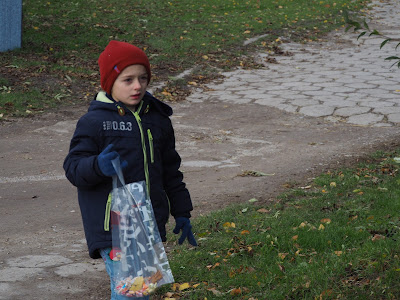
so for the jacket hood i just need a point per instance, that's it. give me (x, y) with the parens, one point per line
(105, 101)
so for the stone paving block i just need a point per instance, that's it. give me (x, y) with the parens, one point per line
(365, 119)
(339, 89)
(339, 102)
(317, 110)
(305, 102)
(349, 111)
(349, 78)
(319, 93)
(328, 84)
(376, 104)
(394, 118)
(387, 110)
(305, 87)
(360, 85)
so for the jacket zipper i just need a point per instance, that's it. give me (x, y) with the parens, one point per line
(146, 167)
(150, 136)
(108, 213)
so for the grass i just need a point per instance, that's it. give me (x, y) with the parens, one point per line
(337, 238)
(62, 39)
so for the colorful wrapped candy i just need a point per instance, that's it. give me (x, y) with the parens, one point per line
(138, 286)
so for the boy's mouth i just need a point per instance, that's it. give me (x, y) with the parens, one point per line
(136, 96)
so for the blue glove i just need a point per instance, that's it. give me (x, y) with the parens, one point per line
(183, 224)
(104, 161)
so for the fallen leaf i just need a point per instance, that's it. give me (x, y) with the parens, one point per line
(252, 200)
(215, 291)
(306, 187)
(236, 292)
(282, 268)
(295, 237)
(338, 253)
(245, 232)
(263, 211)
(303, 224)
(378, 237)
(326, 221)
(321, 227)
(333, 184)
(352, 218)
(325, 293)
(282, 255)
(227, 225)
(184, 286)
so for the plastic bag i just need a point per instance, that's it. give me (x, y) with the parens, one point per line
(141, 262)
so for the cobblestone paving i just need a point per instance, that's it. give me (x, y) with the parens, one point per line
(341, 80)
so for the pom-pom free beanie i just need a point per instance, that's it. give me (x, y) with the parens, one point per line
(115, 58)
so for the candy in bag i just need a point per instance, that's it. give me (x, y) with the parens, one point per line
(141, 264)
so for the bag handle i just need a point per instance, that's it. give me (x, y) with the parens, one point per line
(119, 175)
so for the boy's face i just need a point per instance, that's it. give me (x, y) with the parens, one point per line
(130, 86)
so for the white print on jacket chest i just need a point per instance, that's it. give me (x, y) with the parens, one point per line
(117, 126)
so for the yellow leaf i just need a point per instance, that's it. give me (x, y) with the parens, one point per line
(333, 184)
(196, 285)
(245, 232)
(227, 225)
(282, 255)
(321, 227)
(303, 224)
(247, 32)
(205, 57)
(192, 82)
(338, 253)
(184, 286)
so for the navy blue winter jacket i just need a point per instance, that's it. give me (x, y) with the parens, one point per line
(103, 125)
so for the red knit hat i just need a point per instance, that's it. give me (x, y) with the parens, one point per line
(115, 58)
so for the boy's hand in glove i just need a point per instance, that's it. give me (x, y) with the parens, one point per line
(183, 224)
(104, 161)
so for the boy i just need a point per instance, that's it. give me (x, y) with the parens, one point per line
(128, 122)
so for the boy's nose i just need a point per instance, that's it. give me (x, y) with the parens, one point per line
(137, 85)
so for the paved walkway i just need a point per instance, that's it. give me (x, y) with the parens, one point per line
(346, 82)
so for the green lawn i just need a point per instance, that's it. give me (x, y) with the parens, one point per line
(337, 238)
